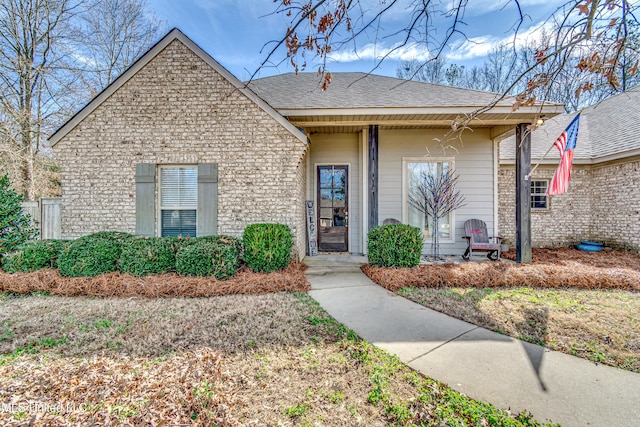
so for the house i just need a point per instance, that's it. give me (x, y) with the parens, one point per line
(178, 145)
(603, 199)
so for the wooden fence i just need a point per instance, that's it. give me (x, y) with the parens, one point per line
(45, 214)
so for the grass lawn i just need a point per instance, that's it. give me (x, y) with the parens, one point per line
(273, 359)
(584, 304)
(599, 325)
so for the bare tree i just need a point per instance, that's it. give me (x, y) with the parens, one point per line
(55, 55)
(112, 35)
(31, 34)
(435, 196)
(432, 71)
(454, 75)
(320, 27)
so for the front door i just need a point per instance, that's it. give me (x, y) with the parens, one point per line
(333, 208)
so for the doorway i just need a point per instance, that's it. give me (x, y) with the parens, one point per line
(333, 208)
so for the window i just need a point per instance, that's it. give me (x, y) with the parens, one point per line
(414, 169)
(178, 201)
(539, 199)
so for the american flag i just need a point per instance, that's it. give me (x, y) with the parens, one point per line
(565, 145)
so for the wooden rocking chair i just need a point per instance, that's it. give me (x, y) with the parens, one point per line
(479, 241)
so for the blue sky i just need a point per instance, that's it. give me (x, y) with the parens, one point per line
(234, 32)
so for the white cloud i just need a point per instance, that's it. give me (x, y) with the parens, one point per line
(376, 52)
(473, 47)
(476, 47)
(481, 7)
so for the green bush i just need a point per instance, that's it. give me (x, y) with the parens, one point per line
(395, 245)
(35, 255)
(119, 236)
(147, 255)
(209, 257)
(179, 242)
(93, 254)
(267, 247)
(15, 226)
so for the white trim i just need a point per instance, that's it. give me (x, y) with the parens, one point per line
(496, 166)
(594, 161)
(548, 110)
(547, 198)
(174, 34)
(364, 180)
(405, 190)
(159, 193)
(317, 201)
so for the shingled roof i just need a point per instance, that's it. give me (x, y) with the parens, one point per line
(608, 131)
(356, 100)
(361, 90)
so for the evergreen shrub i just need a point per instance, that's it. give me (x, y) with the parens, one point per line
(34, 255)
(142, 256)
(267, 247)
(92, 255)
(217, 256)
(395, 245)
(15, 226)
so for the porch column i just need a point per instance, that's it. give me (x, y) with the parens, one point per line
(373, 176)
(523, 193)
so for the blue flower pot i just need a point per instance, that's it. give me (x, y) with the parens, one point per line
(588, 246)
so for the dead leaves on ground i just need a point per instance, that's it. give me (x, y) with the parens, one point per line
(187, 389)
(551, 268)
(164, 285)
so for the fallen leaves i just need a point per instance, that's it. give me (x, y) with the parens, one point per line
(552, 268)
(191, 388)
(163, 285)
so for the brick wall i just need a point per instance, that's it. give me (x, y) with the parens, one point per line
(178, 110)
(602, 204)
(615, 206)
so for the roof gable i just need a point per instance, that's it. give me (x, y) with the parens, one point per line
(174, 34)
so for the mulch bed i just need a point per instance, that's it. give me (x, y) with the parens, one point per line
(551, 268)
(163, 285)
(602, 259)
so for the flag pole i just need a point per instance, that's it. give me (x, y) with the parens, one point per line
(539, 162)
(528, 176)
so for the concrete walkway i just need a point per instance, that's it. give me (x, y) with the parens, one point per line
(482, 364)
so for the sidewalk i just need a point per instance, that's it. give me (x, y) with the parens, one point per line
(482, 364)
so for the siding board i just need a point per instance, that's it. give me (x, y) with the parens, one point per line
(473, 163)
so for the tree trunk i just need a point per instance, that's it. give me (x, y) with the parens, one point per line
(435, 250)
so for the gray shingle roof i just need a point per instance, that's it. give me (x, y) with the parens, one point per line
(606, 129)
(361, 90)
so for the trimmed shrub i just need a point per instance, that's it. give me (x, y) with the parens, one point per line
(395, 245)
(179, 242)
(142, 256)
(15, 226)
(267, 247)
(93, 254)
(32, 256)
(208, 257)
(109, 235)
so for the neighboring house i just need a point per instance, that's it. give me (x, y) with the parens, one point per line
(603, 199)
(177, 145)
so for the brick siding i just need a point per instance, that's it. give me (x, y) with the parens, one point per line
(178, 110)
(602, 204)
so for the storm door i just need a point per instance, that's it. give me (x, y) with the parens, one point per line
(333, 208)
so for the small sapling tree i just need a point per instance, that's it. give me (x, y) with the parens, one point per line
(435, 196)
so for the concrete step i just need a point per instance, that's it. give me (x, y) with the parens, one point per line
(325, 264)
(326, 269)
